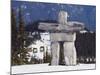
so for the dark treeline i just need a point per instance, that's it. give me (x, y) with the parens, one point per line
(18, 50)
(86, 46)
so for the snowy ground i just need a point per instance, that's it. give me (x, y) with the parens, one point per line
(45, 68)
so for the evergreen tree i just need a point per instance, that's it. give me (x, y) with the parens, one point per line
(21, 30)
(19, 52)
(13, 38)
(13, 29)
(21, 38)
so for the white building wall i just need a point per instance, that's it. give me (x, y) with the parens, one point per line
(45, 37)
(38, 54)
(45, 41)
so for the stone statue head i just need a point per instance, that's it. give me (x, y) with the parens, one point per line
(62, 17)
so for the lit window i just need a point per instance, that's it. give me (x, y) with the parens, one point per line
(41, 49)
(34, 50)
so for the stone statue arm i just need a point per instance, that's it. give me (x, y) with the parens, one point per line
(48, 26)
(55, 27)
(71, 26)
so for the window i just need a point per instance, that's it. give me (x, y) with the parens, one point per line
(41, 48)
(34, 50)
(30, 50)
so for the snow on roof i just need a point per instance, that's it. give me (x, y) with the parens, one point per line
(83, 31)
(37, 44)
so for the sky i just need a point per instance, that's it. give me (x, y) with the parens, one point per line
(34, 11)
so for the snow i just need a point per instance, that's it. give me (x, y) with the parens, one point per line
(83, 31)
(45, 68)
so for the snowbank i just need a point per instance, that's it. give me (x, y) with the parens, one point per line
(45, 68)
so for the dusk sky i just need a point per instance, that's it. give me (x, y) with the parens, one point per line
(34, 11)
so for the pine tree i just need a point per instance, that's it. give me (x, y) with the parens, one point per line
(13, 29)
(19, 52)
(21, 37)
(13, 38)
(21, 30)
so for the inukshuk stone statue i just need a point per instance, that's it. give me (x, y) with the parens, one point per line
(66, 32)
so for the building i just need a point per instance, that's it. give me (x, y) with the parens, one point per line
(38, 48)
